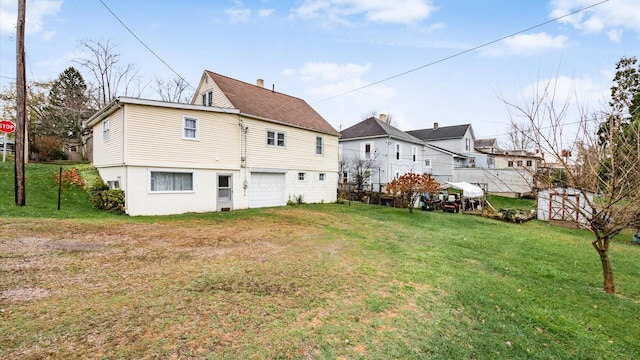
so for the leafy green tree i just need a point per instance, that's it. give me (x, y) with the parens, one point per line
(69, 108)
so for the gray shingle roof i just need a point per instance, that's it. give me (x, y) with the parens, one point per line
(264, 103)
(374, 127)
(441, 133)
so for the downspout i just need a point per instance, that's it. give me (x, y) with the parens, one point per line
(243, 155)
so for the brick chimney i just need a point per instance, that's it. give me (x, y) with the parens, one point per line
(435, 126)
(260, 83)
(383, 118)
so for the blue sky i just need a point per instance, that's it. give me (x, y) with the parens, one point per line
(337, 54)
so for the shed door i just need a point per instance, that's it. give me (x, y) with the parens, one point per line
(267, 189)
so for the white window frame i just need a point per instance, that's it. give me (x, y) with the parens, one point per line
(154, 171)
(302, 176)
(414, 154)
(276, 138)
(204, 99)
(210, 98)
(106, 129)
(367, 154)
(195, 129)
(398, 154)
(322, 177)
(319, 145)
(427, 162)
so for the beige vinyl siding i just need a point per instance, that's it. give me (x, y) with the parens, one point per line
(218, 97)
(299, 152)
(108, 153)
(155, 138)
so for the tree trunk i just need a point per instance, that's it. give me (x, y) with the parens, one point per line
(602, 247)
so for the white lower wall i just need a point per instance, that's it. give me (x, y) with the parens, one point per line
(497, 180)
(134, 180)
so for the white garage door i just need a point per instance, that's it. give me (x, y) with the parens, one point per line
(266, 189)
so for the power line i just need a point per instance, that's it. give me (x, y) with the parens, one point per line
(145, 45)
(463, 52)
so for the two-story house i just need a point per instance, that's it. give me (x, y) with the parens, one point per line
(386, 150)
(236, 146)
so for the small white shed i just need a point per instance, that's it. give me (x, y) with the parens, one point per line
(564, 204)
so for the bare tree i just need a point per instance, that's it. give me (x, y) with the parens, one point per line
(111, 79)
(173, 90)
(593, 153)
(362, 170)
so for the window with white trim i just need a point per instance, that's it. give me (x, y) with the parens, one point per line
(427, 162)
(190, 126)
(319, 145)
(276, 138)
(162, 181)
(106, 130)
(204, 99)
(210, 98)
(345, 177)
(301, 176)
(414, 153)
(367, 151)
(322, 176)
(397, 151)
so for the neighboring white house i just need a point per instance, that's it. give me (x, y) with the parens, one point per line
(236, 146)
(391, 151)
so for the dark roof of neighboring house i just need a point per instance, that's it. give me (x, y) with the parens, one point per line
(271, 105)
(485, 143)
(374, 127)
(441, 133)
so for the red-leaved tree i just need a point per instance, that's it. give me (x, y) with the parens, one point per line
(411, 186)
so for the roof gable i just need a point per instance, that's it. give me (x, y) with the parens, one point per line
(256, 101)
(374, 127)
(442, 133)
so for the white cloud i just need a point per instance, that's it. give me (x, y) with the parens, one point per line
(379, 11)
(579, 92)
(317, 71)
(526, 44)
(36, 12)
(238, 13)
(265, 12)
(618, 14)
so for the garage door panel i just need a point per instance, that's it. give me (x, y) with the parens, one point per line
(266, 189)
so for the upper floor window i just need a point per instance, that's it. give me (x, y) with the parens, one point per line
(519, 162)
(106, 129)
(210, 98)
(190, 126)
(276, 138)
(204, 99)
(397, 151)
(414, 153)
(510, 163)
(467, 145)
(427, 162)
(529, 163)
(367, 151)
(319, 145)
(345, 177)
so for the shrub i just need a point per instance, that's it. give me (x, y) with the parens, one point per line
(70, 177)
(296, 200)
(111, 201)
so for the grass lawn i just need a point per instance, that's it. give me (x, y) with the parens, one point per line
(314, 281)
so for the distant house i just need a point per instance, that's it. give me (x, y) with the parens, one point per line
(391, 151)
(236, 146)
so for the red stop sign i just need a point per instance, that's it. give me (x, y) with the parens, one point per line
(7, 126)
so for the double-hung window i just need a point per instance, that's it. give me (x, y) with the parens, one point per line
(190, 126)
(397, 151)
(367, 151)
(106, 129)
(319, 145)
(276, 138)
(302, 176)
(162, 181)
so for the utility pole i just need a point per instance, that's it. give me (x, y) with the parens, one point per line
(21, 106)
